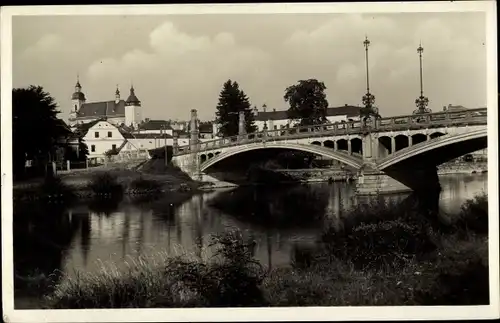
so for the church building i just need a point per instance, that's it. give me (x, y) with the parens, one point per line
(118, 111)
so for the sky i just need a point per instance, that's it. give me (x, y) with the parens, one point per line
(179, 62)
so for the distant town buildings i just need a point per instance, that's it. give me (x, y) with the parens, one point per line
(279, 119)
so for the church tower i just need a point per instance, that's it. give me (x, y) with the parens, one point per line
(77, 99)
(133, 110)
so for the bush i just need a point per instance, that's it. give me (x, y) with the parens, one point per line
(105, 184)
(231, 279)
(474, 215)
(145, 185)
(380, 234)
(53, 187)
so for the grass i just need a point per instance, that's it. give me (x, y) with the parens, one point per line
(393, 257)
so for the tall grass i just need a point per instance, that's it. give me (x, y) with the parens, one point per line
(231, 277)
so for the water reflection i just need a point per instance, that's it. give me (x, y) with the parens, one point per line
(283, 221)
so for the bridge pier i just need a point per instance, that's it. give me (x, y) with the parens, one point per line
(374, 182)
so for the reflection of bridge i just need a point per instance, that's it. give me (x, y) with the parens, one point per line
(407, 148)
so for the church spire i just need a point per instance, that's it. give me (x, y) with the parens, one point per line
(117, 94)
(132, 98)
(78, 94)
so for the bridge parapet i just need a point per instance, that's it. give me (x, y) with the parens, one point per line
(397, 123)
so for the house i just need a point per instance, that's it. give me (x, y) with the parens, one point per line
(117, 111)
(279, 119)
(101, 136)
(158, 127)
(206, 130)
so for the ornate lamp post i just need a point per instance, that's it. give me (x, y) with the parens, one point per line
(422, 102)
(368, 99)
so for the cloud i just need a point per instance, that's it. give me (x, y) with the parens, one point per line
(187, 69)
(177, 65)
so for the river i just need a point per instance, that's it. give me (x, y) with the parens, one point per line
(81, 237)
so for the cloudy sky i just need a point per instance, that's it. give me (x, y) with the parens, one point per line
(179, 62)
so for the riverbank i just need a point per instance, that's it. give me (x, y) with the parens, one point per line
(381, 254)
(136, 180)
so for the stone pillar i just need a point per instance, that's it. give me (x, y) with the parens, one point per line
(241, 123)
(335, 146)
(393, 144)
(175, 143)
(68, 165)
(410, 141)
(349, 147)
(367, 146)
(194, 132)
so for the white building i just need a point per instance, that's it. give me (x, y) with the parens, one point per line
(117, 111)
(100, 137)
(279, 119)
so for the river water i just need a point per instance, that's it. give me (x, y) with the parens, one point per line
(81, 237)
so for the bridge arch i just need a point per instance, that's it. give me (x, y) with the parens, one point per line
(342, 144)
(418, 138)
(329, 144)
(386, 142)
(357, 145)
(317, 143)
(438, 150)
(352, 161)
(436, 134)
(401, 142)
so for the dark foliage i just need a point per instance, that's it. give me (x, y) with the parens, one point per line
(145, 185)
(307, 101)
(231, 279)
(35, 128)
(105, 184)
(474, 215)
(232, 100)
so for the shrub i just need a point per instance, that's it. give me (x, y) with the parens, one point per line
(105, 184)
(53, 186)
(232, 278)
(145, 185)
(474, 215)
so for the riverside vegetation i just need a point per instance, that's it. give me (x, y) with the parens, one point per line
(377, 254)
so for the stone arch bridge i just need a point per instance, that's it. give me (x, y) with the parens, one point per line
(390, 154)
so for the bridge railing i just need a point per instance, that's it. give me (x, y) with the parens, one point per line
(396, 123)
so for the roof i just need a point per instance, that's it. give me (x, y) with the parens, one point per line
(149, 135)
(78, 96)
(205, 127)
(102, 109)
(132, 98)
(82, 129)
(348, 110)
(155, 125)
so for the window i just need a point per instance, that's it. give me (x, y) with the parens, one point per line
(109, 134)
(92, 148)
(113, 147)
(76, 108)
(275, 127)
(96, 134)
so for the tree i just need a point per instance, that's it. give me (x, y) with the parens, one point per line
(35, 127)
(232, 100)
(307, 101)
